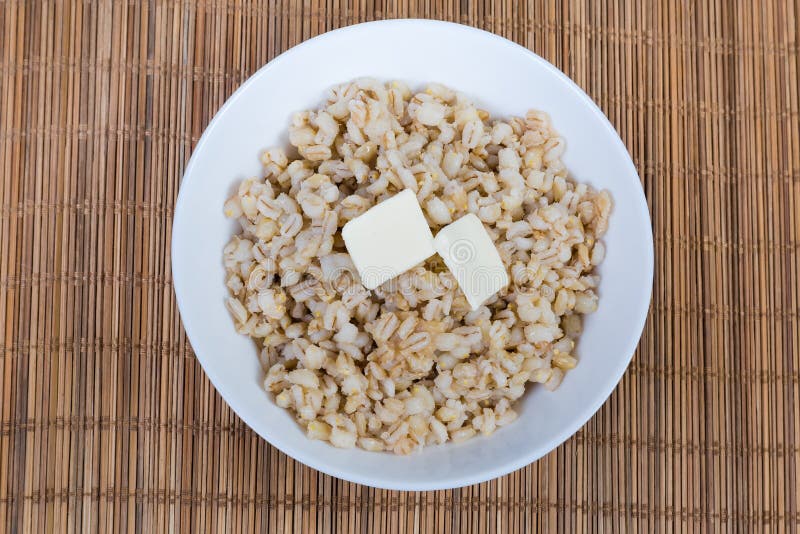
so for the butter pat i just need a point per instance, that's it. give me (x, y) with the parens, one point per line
(388, 239)
(470, 254)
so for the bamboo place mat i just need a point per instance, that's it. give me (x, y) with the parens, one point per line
(108, 421)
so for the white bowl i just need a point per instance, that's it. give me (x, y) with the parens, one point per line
(503, 78)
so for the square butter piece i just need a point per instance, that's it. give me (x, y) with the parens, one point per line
(470, 254)
(388, 239)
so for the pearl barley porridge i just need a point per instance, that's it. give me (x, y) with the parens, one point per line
(409, 363)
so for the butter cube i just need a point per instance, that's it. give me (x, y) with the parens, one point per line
(388, 239)
(470, 254)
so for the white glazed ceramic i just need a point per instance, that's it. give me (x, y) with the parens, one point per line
(503, 78)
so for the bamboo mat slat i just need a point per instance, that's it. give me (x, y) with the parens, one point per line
(107, 421)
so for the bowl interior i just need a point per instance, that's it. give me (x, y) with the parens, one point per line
(504, 79)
